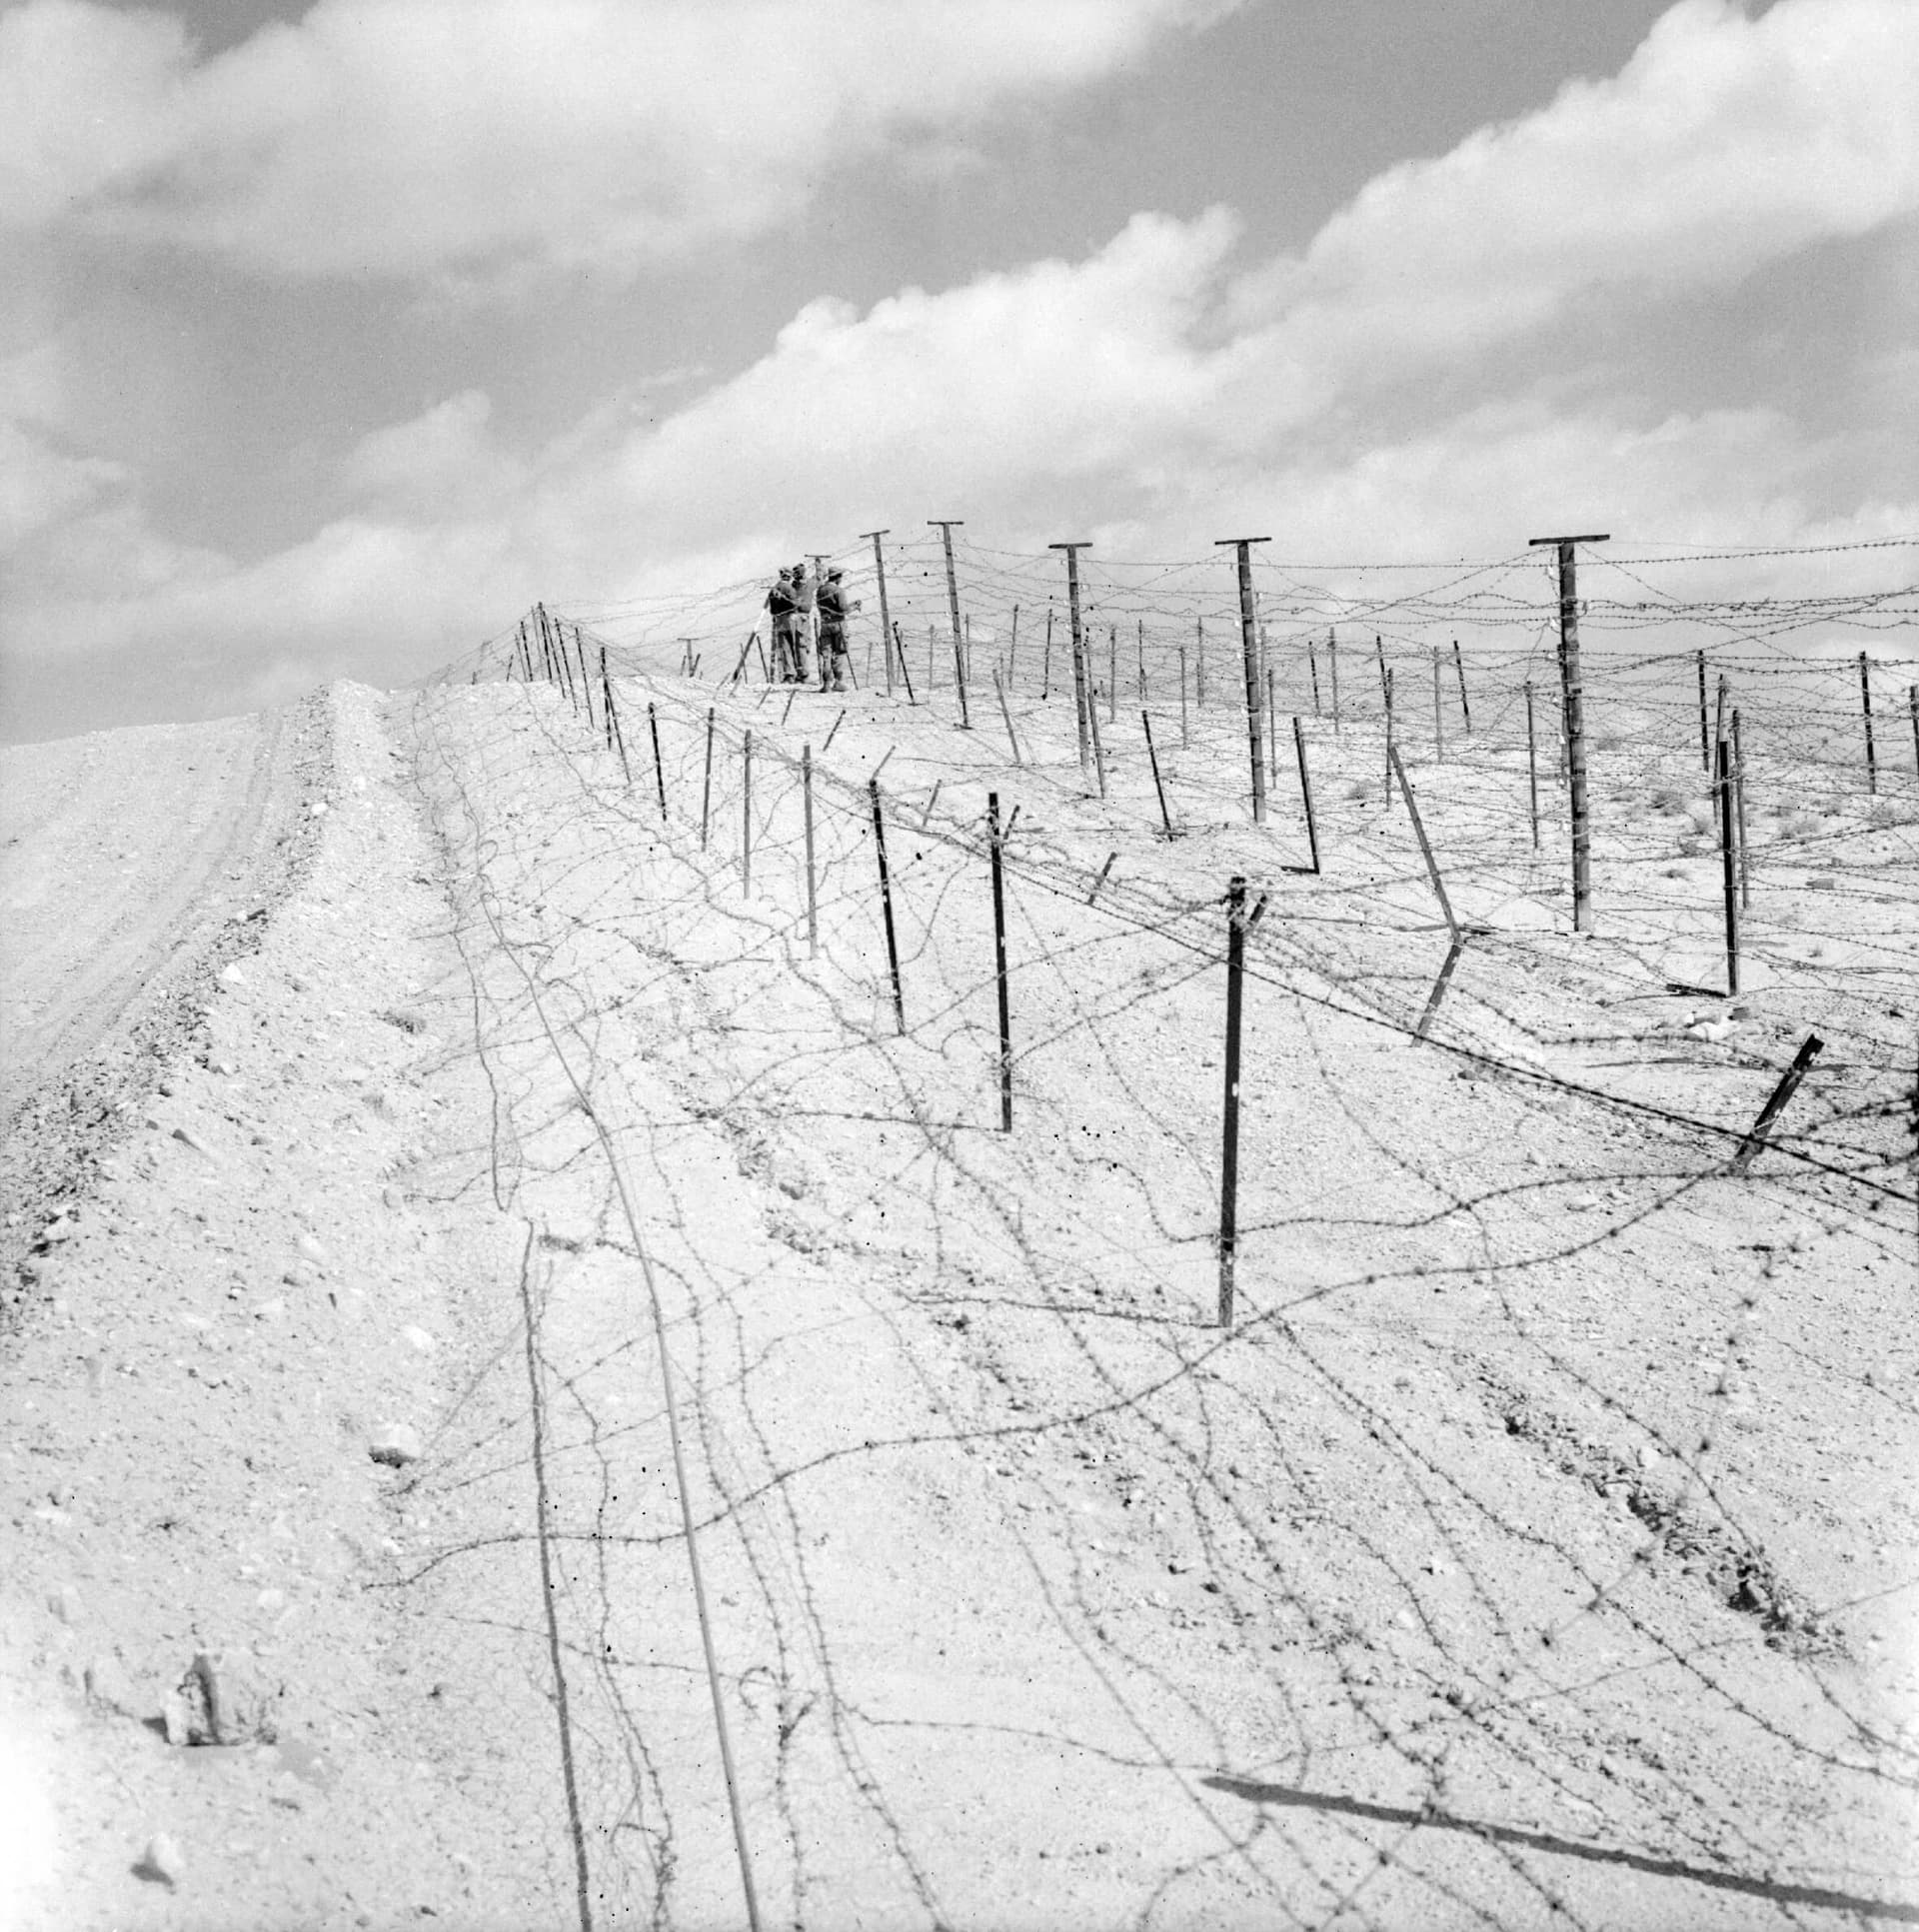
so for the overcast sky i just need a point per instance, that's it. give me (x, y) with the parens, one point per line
(334, 335)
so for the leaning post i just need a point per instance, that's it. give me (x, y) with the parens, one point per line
(1230, 1139)
(946, 526)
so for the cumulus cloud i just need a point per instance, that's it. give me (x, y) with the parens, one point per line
(1155, 394)
(402, 137)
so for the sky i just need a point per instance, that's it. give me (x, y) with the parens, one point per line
(335, 335)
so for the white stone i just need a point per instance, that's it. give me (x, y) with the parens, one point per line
(396, 1444)
(161, 1860)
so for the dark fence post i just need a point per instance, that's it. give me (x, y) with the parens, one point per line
(1229, 1153)
(886, 899)
(1305, 794)
(1000, 963)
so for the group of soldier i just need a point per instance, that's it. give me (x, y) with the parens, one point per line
(799, 604)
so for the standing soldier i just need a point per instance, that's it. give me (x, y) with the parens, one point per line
(832, 633)
(782, 608)
(803, 590)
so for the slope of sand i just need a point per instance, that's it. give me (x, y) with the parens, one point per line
(1536, 1549)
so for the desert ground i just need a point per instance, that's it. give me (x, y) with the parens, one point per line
(502, 1264)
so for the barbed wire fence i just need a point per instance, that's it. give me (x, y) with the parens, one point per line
(670, 890)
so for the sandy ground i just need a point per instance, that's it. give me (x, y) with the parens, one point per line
(1537, 1549)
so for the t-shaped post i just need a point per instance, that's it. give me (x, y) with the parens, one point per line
(885, 616)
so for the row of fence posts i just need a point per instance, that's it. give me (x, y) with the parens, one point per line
(548, 635)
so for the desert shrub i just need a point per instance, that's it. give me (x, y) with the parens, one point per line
(1667, 799)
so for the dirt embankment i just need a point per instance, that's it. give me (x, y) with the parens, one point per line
(223, 1296)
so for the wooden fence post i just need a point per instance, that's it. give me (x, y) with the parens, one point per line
(1465, 704)
(1532, 766)
(805, 795)
(1755, 1139)
(1574, 690)
(658, 765)
(1705, 741)
(1739, 801)
(1007, 713)
(1079, 697)
(706, 792)
(1305, 794)
(886, 615)
(1000, 963)
(1229, 1151)
(1146, 719)
(1865, 700)
(1249, 651)
(746, 818)
(886, 899)
(1186, 728)
(1333, 659)
(1723, 756)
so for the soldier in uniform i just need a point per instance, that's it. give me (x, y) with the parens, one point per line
(833, 610)
(782, 608)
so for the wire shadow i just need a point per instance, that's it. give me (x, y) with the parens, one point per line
(1891, 1910)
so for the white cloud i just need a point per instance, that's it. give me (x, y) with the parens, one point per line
(403, 137)
(1139, 395)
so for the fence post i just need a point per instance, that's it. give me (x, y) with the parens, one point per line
(1141, 637)
(1199, 650)
(746, 818)
(659, 764)
(1273, 734)
(1007, 713)
(1724, 699)
(1723, 756)
(946, 527)
(1185, 728)
(1000, 963)
(1112, 674)
(806, 798)
(1739, 801)
(1426, 848)
(1045, 658)
(1755, 1139)
(1305, 794)
(1865, 700)
(1385, 681)
(1079, 701)
(1012, 649)
(1532, 766)
(605, 700)
(1574, 699)
(900, 655)
(706, 790)
(886, 615)
(886, 901)
(1312, 665)
(1333, 659)
(1146, 719)
(1230, 1151)
(1465, 706)
(1249, 649)
(1705, 743)
(1438, 716)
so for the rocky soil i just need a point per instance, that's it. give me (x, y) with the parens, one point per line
(1538, 1550)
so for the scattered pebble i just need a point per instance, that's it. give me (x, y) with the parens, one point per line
(224, 1698)
(311, 1249)
(396, 1444)
(419, 1339)
(161, 1863)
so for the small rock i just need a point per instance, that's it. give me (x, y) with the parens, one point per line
(161, 1863)
(318, 807)
(311, 1249)
(269, 1310)
(393, 1197)
(419, 1339)
(396, 1444)
(232, 974)
(188, 1137)
(224, 1698)
(106, 1685)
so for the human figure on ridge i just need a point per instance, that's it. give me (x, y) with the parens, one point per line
(833, 610)
(788, 662)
